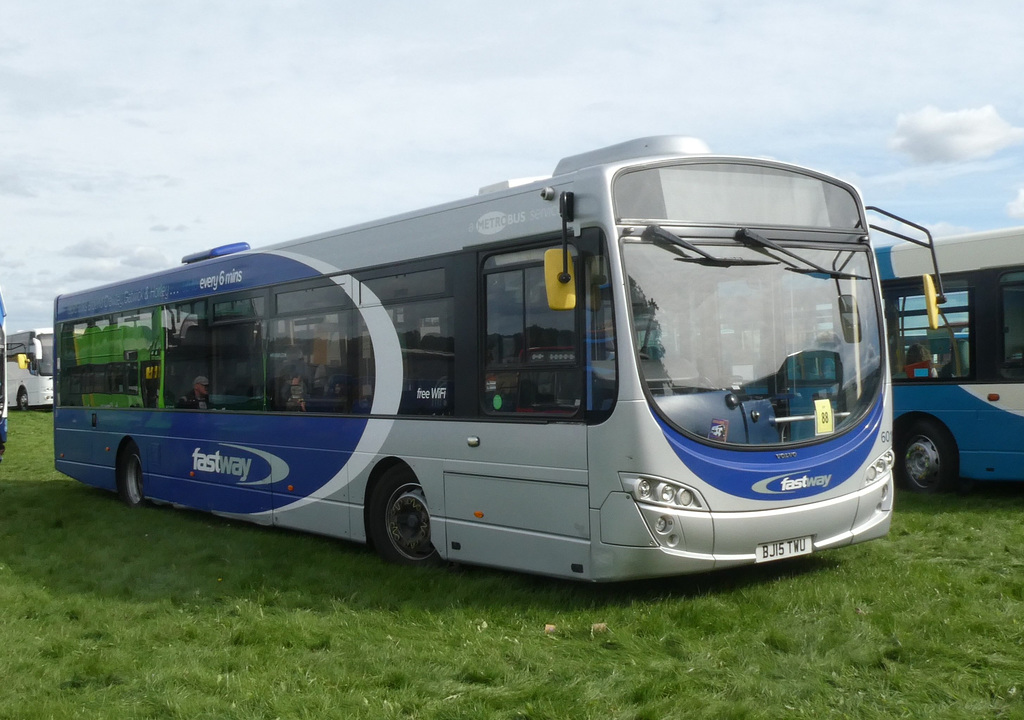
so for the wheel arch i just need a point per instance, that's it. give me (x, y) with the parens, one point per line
(381, 468)
(122, 448)
(901, 426)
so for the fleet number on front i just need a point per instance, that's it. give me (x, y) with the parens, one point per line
(779, 549)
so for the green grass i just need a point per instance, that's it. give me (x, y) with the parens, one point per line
(106, 612)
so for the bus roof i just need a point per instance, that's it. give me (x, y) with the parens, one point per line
(478, 220)
(957, 253)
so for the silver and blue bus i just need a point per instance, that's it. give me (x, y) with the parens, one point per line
(958, 387)
(656, 361)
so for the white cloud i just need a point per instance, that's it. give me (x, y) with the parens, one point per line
(1015, 208)
(931, 135)
(945, 229)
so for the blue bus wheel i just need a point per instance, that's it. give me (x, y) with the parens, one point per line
(129, 476)
(399, 519)
(928, 460)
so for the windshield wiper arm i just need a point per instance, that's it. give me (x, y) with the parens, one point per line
(754, 239)
(658, 234)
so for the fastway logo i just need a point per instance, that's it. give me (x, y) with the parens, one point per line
(785, 484)
(239, 467)
(221, 464)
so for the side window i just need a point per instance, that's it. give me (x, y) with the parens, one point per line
(187, 357)
(1011, 366)
(236, 382)
(110, 362)
(82, 376)
(426, 334)
(916, 352)
(320, 358)
(531, 363)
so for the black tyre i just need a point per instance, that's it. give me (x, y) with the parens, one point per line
(927, 459)
(129, 476)
(398, 520)
(22, 399)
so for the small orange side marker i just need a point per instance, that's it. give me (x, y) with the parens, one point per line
(478, 514)
(191, 473)
(291, 488)
(993, 396)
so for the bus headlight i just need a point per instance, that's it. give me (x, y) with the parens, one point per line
(880, 467)
(659, 491)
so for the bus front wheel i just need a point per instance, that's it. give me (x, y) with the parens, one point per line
(22, 399)
(129, 476)
(928, 460)
(399, 519)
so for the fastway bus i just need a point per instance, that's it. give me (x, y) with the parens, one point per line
(30, 368)
(657, 361)
(3, 380)
(959, 388)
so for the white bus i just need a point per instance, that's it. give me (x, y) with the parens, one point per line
(657, 361)
(3, 380)
(30, 369)
(959, 388)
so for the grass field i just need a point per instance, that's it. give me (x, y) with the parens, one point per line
(106, 612)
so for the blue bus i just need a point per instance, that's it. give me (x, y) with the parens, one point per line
(656, 361)
(958, 388)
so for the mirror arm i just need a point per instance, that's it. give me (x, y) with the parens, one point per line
(567, 209)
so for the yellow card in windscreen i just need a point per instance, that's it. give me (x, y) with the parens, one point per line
(823, 423)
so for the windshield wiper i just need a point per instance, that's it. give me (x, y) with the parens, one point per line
(660, 236)
(753, 239)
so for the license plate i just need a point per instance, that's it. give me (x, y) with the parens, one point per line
(779, 549)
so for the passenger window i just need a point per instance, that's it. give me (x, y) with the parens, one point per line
(531, 363)
(188, 351)
(110, 362)
(1012, 365)
(320, 361)
(917, 352)
(237, 344)
(427, 337)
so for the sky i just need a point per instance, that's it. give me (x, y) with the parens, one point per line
(134, 132)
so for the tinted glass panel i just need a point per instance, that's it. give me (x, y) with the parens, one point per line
(531, 363)
(734, 194)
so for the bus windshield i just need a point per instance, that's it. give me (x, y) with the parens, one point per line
(46, 358)
(752, 348)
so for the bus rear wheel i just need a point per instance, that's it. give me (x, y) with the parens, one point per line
(928, 460)
(399, 519)
(129, 476)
